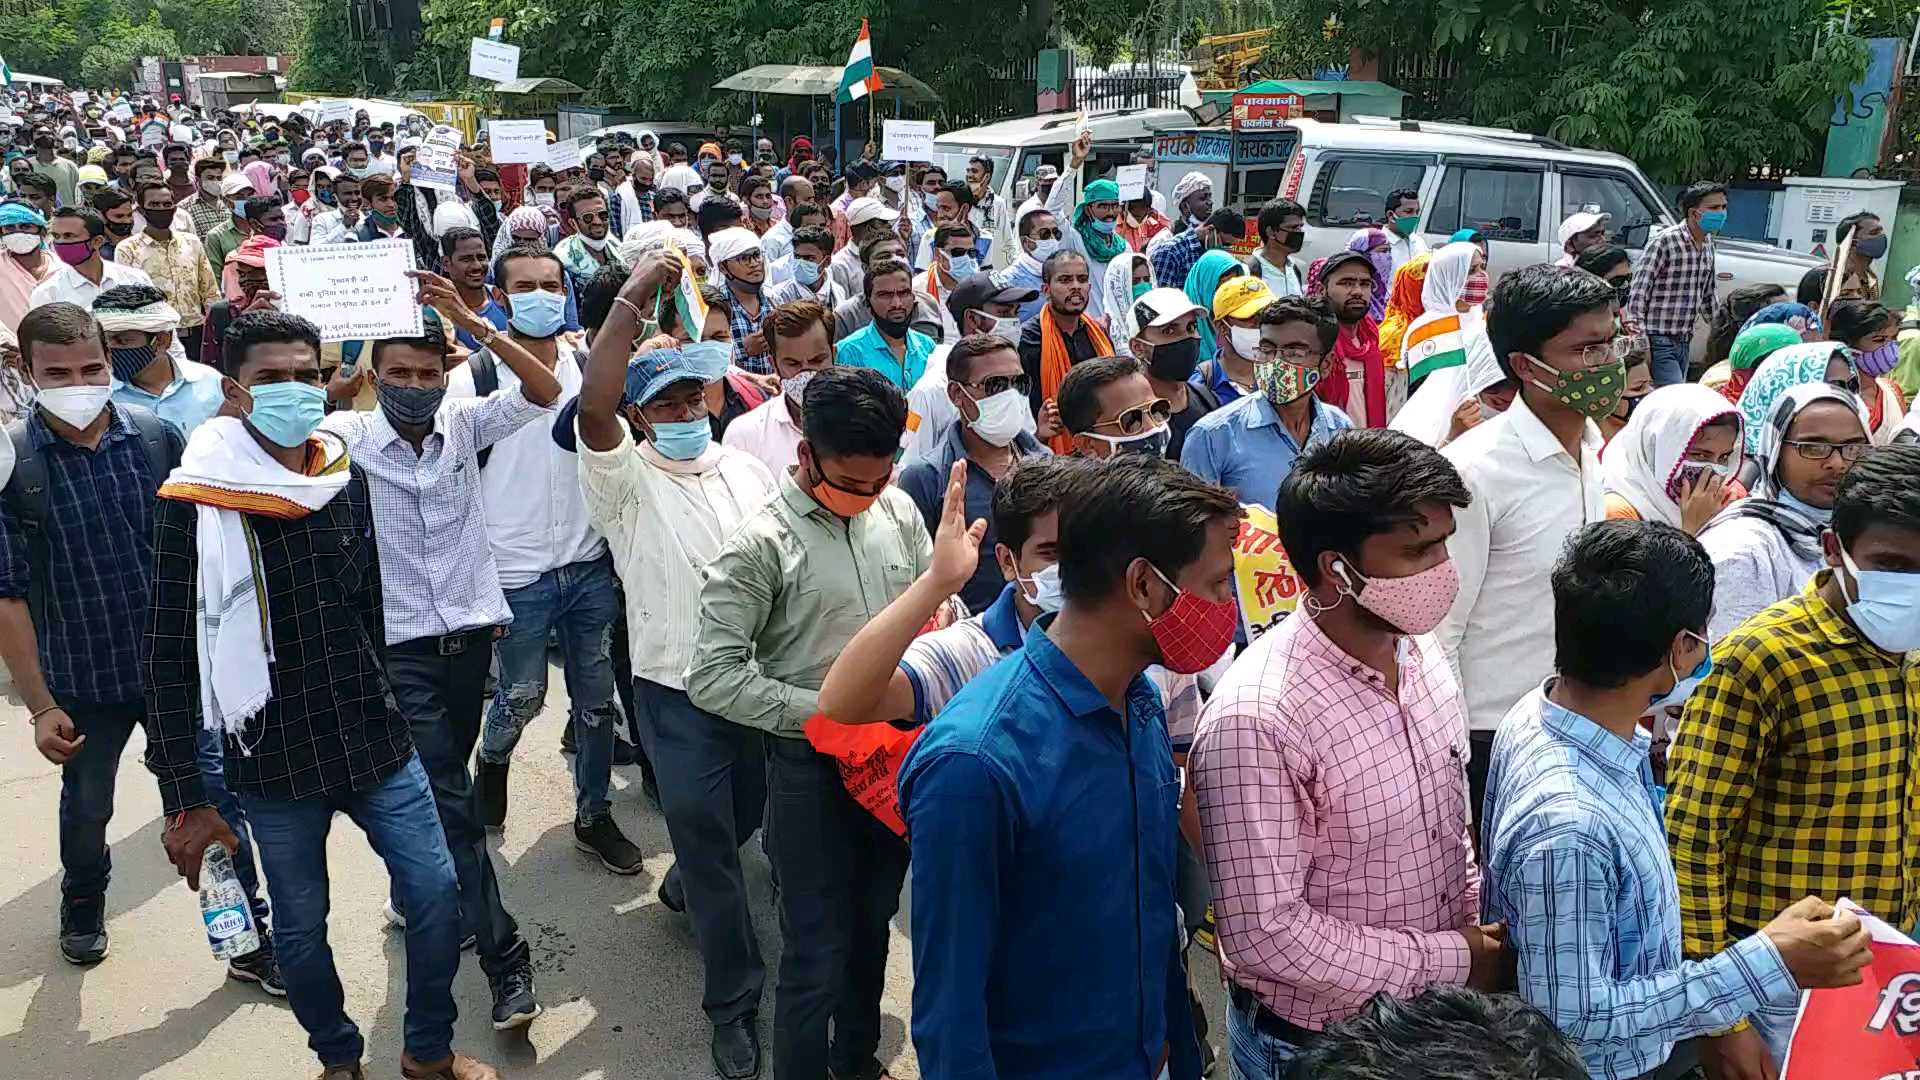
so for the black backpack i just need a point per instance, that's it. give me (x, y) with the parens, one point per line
(486, 379)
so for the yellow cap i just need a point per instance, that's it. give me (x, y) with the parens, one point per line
(1241, 297)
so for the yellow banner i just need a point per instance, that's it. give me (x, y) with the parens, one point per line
(1262, 574)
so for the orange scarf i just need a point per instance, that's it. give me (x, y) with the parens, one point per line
(933, 283)
(1055, 362)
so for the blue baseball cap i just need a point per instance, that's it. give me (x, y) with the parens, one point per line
(647, 375)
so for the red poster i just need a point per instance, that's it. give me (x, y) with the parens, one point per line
(1870, 1031)
(1265, 112)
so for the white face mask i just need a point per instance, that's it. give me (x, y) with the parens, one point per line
(1044, 249)
(597, 245)
(543, 198)
(76, 405)
(1246, 341)
(1007, 328)
(21, 243)
(1002, 417)
(1045, 589)
(792, 388)
(896, 183)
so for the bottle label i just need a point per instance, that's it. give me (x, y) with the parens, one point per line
(223, 923)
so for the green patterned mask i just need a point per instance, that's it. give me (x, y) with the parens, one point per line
(1282, 382)
(1591, 392)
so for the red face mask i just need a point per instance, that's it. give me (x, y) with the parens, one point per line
(1476, 288)
(300, 196)
(1192, 633)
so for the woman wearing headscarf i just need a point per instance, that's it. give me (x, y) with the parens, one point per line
(1794, 365)
(1751, 349)
(1766, 546)
(1799, 317)
(1202, 282)
(1403, 306)
(1869, 330)
(260, 174)
(1093, 228)
(1675, 460)
(1446, 348)
(1128, 278)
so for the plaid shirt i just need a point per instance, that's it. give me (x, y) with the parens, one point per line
(99, 534)
(1173, 260)
(327, 727)
(1794, 773)
(1335, 822)
(1577, 868)
(744, 324)
(206, 213)
(1673, 285)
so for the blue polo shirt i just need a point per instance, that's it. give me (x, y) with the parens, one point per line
(1244, 446)
(926, 484)
(866, 348)
(1043, 827)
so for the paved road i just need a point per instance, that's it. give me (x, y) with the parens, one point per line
(617, 972)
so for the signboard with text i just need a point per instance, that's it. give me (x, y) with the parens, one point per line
(1867, 1031)
(1265, 112)
(1193, 147)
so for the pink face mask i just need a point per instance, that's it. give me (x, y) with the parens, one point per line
(1414, 604)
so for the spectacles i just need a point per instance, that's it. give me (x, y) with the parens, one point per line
(1297, 355)
(1821, 451)
(1603, 353)
(1140, 418)
(753, 256)
(1046, 234)
(1000, 384)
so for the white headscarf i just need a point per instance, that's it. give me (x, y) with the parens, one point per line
(731, 244)
(1428, 414)
(1645, 454)
(1190, 184)
(1117, 290)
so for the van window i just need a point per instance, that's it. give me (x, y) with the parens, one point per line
(1608, 192)
(1353, 190)
(1503, 203)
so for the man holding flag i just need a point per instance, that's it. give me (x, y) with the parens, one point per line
(858, 79)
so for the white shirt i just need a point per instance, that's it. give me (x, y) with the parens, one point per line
(1406, 247)
(1528, 497)
(536, 515)
(846, 273)
(776, 244)
(67, 286)
(768, 432)
(436, 561)
(332, 228)
(664, 520)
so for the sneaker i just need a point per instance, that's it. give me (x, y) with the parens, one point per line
(397, 921)
(83, 931)
(513, 1002)
(604, 840)
(623, 753)
(454, 1067)
(490, 794)
(260, 967)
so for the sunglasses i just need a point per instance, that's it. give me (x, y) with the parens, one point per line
(593, 219)
(1141, 418)
(1000, 384)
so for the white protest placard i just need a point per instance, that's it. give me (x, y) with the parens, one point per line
(80, 99)
(336, 109)
(350, 291)
(496, 61)
(1132, 180)
(907, 140)
(121, 113)
(563, 155)
(517, 141)
(433, 166)
(153, 133)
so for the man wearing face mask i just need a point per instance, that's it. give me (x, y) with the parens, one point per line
(1192, 205)
(948, 204)
(1534, 471)
(1575, 842)
(1168, 346)
(383, 210)
(987, 388)
(1236, 307)
(172, 259)
(1808, 704)
(261, 215)
(1039, 237)
(1174, 260)
(64, 174)
(977, 306)
(1062, 335)
(800, 343)
(954, 260)
(759, 652)
(1673, 280)
(806, 264)
(1330, 752)
(23, 232)
(796, 192)
(1250, 445)
(142, 337)
(1282, 225)
(443, 601)
(116, 207)
(1013, 895)
(79, 237)
(1091, 225)
(716, 174)
(267, 499)
(869, 222)
(207, 206)
(1108, 408)
(736, 252)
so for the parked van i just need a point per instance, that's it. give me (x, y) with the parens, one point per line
(1513, 187)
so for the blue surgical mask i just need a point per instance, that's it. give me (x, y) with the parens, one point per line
(708, 356)
(1683, 687)
(962, 266)
(1045, 584)
(1816, 514)
(287, 412)
(1887, 607)
(326, 198)
(806, 272)
(1712, 221)
(682, 440)
(537, 314)
(1106, 227)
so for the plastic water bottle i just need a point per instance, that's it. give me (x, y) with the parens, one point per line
(223, 905)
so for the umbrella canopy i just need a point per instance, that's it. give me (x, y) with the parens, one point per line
(547, 85)
(802, 80)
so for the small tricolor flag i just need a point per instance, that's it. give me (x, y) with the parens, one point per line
(496, 28)
(6, 73)
(1433, 344)
(859, 79)
(687, 301)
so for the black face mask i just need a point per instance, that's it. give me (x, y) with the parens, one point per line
(1174, 361)
(119, 230)
(894, 330)
(596, 174)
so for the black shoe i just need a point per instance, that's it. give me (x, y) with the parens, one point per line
(671, 893)
(736, 1048)
(604, 840)
(566, 738)
(83, 931)
(513, 1002)
(490, 794)
(623, 754)
(259, 966)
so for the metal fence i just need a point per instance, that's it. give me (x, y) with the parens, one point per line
(1011, 90)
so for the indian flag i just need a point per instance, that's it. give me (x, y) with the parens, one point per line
(6, 73)
(859, 78)
(1433, 344)
(687, 301)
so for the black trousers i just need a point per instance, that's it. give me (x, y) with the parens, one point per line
(440, 686)
(1480, 757)
(840, 873)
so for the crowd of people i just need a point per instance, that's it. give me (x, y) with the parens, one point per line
(1585, 702)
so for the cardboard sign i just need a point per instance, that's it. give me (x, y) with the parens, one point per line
(516, 141)
(906, 140)
(1132, 180)
(564, 155)
(1263, 576)
(80, 99)
(331, 111)
(433, 165)
(1266, 112)
(495, 61)
(1868, 1031)
(350, 291)
(120, 113)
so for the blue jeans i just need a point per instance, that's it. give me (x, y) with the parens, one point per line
(403, 827)
(581, 601)
(1670, 356)
(1254, 1054)
(87, 784)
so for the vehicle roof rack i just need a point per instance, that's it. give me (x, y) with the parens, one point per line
(1469, 130)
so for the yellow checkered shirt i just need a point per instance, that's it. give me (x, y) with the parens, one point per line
(1792, 774)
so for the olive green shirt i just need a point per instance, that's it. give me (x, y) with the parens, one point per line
(787, 592)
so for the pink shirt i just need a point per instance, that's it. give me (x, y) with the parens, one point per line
(1335, 823)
